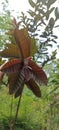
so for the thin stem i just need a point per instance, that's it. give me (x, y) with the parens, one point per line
(12, 126)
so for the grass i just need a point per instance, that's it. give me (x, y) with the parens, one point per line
(33, 112)
(26, 116)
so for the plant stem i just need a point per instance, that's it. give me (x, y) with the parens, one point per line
(12, 126)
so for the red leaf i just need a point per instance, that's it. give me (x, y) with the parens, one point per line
(12, 79)
(34, 87)
(16, 83)
(19, 91)
(15, 22)
(23, 41)
(19, 84)
(1, 75)
(38, 72)
(11, 66)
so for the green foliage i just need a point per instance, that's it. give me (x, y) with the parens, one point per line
(32, 3)
(57, 13)
(5, 25)
(34, 113)
(41, 23)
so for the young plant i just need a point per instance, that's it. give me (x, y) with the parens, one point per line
(20, 68)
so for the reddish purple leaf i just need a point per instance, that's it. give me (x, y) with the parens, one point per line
(11, 66)
(34, 87)
(38, 72)
(1, 75)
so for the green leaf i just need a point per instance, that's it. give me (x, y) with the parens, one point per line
(31, 13)
(50, 2)
(43, 1)
(51, 22)
(48, 12)
(38, 17)
(34, 47)
(32, 3)
(10, 50)
(57, 13)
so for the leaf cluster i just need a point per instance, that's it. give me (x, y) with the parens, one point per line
(41, 23)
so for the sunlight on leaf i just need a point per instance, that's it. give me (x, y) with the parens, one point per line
(10, 51)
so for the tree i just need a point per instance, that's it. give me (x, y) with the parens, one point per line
(41, 25)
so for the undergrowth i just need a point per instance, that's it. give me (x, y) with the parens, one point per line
(34, 113)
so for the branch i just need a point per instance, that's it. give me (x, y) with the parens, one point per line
(49, 59)
(46, 61)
